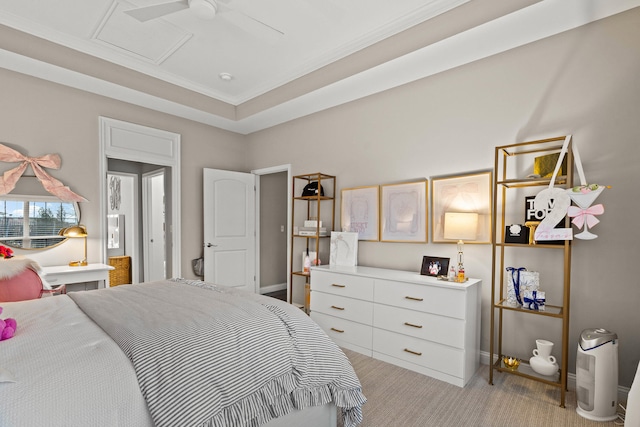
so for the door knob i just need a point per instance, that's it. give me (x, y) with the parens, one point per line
(209, 245)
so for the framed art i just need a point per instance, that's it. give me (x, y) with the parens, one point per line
(463, 193)
(404, 212)
(344, 248)
(359, 212)
(434, 266)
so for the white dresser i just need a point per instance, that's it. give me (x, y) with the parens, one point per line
(414, 321)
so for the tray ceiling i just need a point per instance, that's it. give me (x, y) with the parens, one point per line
(278, 56)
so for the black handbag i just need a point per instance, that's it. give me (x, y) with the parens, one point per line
(311, 189)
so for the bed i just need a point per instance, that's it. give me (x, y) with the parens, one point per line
(171, 353)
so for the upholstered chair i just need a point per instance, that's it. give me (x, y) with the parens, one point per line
(22, 286)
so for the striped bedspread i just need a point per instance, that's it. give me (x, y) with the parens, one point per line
(208, 355)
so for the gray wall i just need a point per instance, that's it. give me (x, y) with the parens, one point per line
(583, 82)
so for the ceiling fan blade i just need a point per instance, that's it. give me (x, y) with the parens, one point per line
(144, 14)
(249, 24)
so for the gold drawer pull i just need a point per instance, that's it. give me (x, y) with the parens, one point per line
(337, 308)
(417, 353)
(414, 299)
(412, 325)
(337, 330)
(338, 286)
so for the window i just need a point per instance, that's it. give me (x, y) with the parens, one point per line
(29, 223)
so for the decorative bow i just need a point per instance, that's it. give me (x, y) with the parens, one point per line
(580, 215)
(9, 179)
(534, 303)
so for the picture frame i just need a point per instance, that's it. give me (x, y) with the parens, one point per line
(434, 266)
(403, 216)
(344, 248)
(462, 193)
(359, 211)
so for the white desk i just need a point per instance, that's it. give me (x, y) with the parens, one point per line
(64, 274)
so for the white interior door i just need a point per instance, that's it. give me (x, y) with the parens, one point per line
(154, 226)
(229, 228)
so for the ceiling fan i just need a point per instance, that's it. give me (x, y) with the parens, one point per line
(204, 9)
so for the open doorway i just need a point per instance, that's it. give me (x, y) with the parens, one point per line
(138, 150)
(141, 217)
(123, 224)
(273, 207)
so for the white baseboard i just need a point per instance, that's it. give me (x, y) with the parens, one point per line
(273, 288)
(623, 392)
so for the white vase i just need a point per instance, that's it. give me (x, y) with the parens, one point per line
(542, 366)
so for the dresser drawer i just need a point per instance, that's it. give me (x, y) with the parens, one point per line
(428, 299)
(344, 331)
(342, 284)
(440, 329)
(345, 308)
(420, 352)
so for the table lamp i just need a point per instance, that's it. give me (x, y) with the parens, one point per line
(76, 231)
(461, 226)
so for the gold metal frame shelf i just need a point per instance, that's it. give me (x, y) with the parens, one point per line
(501, 188)
(525, 370)
(550, 310)
(316, 207)
(560, 181)
(538, 245)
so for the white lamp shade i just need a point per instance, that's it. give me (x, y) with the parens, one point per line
(461, 225)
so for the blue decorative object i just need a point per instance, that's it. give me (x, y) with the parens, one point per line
(534, 300)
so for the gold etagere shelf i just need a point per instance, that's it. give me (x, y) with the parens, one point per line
(320, 207)
(504, 183)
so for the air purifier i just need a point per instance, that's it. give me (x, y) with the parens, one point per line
(597, 375)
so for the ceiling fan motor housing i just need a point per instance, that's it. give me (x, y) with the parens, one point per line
(205, 9)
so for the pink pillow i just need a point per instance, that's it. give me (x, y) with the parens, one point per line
(23, 286)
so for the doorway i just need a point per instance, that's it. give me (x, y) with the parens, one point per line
(273, 230)
(273, 210)
(140, 215)
(123, 218)
(149, 150)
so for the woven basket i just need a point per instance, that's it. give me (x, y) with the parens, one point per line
(122, 273)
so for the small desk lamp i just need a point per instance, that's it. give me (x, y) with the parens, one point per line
(76, 231)
(460, 226)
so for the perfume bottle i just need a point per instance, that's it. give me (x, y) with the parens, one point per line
(452, 274)
(461, 277)
(307, 263)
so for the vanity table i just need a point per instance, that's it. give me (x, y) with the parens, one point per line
(64, 275)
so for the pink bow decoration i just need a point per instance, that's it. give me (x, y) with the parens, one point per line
(580, 215)
(9, 179)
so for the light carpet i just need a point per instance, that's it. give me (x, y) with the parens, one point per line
(398, 397)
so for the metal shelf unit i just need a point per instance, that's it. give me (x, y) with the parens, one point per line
(510, 161)
(319, 207)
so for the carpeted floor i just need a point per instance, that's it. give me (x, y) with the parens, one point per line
(398, 397)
